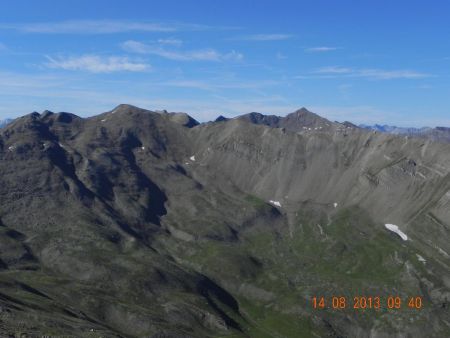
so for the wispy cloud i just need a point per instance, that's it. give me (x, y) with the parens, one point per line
(97, 64)
(263, 37)
(99, 27)
(178, 55)
(371, 73)
(170, 41)
(3, 47)
(223, 84)
(334, 70)
(320, 49)
(136, 47)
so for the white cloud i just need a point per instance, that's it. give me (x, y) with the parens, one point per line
(217, 85)
(263, 37)
(391, 74)
(97, 64)
(371, 73)
(136, 47)
(99, 27)
(170, 41)
(233, 55)
(320, 49)
(177, 55)
(334, 70)
(193, 55)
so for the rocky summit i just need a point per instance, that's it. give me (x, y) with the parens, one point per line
(135, 223)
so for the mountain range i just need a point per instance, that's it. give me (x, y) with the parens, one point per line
(136, 223)
(4, 122)
(441, 134)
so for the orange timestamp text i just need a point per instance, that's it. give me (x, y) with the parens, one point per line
(366, 302)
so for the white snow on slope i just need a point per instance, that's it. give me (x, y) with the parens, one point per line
(335, 204)
(395, 228)
(421, 175)
(421, 259)
(443, 252)
(276, 203)
(192, 158)
(320, 229)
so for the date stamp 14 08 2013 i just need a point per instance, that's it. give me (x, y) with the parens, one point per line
(366, 302)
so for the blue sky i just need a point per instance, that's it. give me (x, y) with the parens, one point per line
(363, 61)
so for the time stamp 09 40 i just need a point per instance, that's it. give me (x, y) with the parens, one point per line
(366, 302)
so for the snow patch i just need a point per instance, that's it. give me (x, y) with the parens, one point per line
(421, 175)
(395, 228)
(320, 229)
(335, 204)
(192, 158)
(11, 148)
(443, 252)
(103, 120)
(421, 259)
(276, 203)
(143, 148)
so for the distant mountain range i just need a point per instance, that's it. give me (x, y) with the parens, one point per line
(4, 122)
(436, 134)
(304, 120)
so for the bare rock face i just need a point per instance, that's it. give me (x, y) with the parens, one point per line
(141, 223)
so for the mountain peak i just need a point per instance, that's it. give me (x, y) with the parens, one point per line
(184, 119)
(297, 121)
(127, 108)
(303, 110)
(221, 118)
(303, 118)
